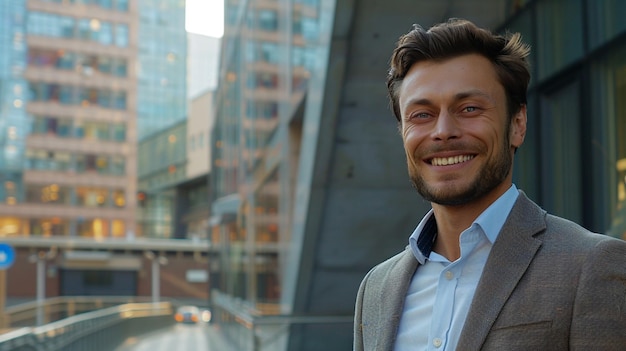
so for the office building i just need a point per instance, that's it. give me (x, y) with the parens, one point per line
(68, 118)
(162, 60)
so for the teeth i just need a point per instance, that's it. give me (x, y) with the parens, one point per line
(445, 161)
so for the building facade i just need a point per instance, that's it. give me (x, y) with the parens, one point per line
(75, 78)
(162, 60)
(69, 101)
(309, 184)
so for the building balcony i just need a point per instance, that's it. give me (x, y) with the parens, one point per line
(27, 210)
(84, 78)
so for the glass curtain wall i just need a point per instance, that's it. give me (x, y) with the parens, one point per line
(266, 66)
(577, 113)
(162, 91)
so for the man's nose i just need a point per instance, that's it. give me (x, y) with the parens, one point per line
(446, 127)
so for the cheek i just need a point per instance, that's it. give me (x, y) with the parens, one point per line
(411, 142)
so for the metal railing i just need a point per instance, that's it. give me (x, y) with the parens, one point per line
(244, 329)
(34, 313)
(98, 330)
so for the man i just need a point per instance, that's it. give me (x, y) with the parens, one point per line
(486, 268)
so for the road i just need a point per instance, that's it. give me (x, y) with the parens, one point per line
(180, 337)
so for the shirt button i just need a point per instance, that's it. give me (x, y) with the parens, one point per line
(449, 275)
(437, 342)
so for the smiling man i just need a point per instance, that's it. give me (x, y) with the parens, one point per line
(486, 268)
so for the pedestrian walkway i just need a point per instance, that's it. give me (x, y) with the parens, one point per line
(180, 337)
(217, 340)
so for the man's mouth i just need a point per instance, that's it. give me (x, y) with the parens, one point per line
(452, 160)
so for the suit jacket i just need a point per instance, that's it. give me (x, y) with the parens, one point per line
(548, 284)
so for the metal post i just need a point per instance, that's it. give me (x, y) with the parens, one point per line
(41, 288)
(156, 272)
(3, 297)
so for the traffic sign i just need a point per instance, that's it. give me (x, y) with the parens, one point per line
(7, 256)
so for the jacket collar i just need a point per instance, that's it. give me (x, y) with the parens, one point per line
(510, 257)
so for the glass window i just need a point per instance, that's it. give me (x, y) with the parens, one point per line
(105, 64)
(93, 228)
(121, 35)
(561, 161)
(119, 132)
(84, 29)
(92, 163)
(608, 160)
(270, 52)
(67, 27)
(119, 100)
(121, 5)
(91, 196)
(105, 35)
(121, 69)
(104, 98)
(96, 131)
(561, 39)
(66, 60)
(47, 194)
(119, 198)
(268, 20)
(49, 226)
(118, 165)
(107, 4)
(118, 228)
(64, 128)
(67, 95)
(606, 21)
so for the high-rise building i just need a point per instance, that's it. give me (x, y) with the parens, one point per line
(162, 62)
(75, 78)
(68, 132)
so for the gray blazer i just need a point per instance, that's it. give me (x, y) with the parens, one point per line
(548, 284)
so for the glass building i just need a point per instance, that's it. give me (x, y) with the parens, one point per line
(162, 59)
(309, 187)
(67, 165)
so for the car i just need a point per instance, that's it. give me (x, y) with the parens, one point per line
(187, 314)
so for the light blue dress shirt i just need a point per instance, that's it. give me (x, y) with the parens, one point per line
(441, 292)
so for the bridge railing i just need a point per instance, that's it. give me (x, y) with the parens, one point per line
(245, 329)
(35, 313)
(97, 330)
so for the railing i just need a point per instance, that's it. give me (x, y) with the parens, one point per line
(98, 330)
(245, 330)
(32, 313)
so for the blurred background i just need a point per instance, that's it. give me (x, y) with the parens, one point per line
(240, 155)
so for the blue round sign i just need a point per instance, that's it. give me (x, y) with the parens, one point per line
(7, 256)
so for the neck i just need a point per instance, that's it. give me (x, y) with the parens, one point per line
(453, 220)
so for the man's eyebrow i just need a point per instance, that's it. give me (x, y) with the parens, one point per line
(458, 96)
(472, 93)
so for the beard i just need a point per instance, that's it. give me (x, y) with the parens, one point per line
(492, 174)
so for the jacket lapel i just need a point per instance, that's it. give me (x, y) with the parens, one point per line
(392, 294)
(510, 256)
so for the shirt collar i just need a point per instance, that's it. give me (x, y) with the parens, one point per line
(490, 221)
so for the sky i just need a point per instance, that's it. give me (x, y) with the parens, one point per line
(205, 17)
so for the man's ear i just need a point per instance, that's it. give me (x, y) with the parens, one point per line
(518, 128)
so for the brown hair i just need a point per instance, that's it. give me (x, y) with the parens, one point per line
(458, 37)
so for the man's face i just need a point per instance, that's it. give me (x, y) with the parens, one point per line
(457, 137)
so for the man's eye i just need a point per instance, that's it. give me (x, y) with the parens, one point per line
(470, 109)
(420, 115)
